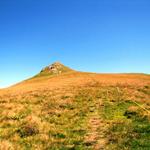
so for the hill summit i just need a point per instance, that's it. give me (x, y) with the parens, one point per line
(63, 109)
(55, 69)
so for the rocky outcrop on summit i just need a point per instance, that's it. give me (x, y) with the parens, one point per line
(55, 68)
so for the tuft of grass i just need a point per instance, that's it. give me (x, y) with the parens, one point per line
(28, 130)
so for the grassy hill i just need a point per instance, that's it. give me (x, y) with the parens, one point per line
(62, 109)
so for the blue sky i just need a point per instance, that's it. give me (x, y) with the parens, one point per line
(88, 35)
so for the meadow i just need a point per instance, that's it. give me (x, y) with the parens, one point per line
(77, 111)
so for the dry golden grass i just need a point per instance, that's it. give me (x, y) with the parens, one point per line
(78, 79)
(74, 110)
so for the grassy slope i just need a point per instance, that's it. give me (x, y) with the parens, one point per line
(76, 111)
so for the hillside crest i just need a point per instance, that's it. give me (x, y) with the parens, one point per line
(55, 69)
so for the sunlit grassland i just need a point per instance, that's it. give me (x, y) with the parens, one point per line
(60, 119)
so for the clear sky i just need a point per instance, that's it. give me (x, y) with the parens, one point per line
(88, 35)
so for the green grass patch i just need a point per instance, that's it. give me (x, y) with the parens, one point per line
(127, 132)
